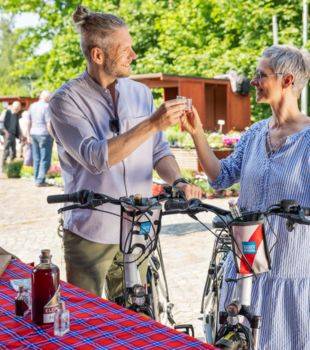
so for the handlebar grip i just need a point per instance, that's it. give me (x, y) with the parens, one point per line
(75, 197)
(172, 204)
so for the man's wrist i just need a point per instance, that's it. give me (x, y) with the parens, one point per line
(180, 180)
(153, 127)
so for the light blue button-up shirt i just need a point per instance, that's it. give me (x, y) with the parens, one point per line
(39, 118)
(80, 112)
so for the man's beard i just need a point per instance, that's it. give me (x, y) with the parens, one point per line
(110, 68)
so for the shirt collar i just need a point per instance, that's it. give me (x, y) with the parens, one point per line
(95, 85)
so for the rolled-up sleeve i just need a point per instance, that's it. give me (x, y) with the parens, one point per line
(161, 147)
(231, 166)
(73, 131)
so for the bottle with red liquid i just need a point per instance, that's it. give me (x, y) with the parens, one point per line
(45, 289)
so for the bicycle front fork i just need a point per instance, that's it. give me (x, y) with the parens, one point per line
(135, 293)
(233, 334)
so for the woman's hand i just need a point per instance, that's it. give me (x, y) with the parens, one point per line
(190, 121)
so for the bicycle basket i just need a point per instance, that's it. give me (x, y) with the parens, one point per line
(250, 247)
(140, 226)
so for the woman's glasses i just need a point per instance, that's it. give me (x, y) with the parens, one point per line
(261, 75)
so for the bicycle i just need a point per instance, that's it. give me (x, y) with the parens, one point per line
(214, 280)
(226, 329)
(140, 224)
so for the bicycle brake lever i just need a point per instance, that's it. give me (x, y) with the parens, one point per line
(69, 207)
(76, 206)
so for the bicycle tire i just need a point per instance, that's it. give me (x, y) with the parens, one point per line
(212, 289)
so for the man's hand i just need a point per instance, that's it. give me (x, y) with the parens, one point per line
(190, 191)
(168, 114)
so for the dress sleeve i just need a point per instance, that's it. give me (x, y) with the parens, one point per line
(231, 166)
(73, 131)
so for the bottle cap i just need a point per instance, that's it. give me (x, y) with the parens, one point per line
(45, 253)
(20, 289)
(45, 256)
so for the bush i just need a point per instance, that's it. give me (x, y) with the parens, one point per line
(13, 169)
(55, 158)
(54, 171)
(216, 140)
(26, 171)
(200, 180)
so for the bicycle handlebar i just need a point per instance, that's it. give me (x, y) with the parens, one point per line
(75, 197)
(192, 206)
(177, 204)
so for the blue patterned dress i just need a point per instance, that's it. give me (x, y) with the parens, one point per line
(281, 296)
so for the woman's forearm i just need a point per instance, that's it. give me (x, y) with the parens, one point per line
(209, 162)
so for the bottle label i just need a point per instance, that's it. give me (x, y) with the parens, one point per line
(50, 308)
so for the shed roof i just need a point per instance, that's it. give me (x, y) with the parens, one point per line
(171, 80)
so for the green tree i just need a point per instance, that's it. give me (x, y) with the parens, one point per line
(9, 53)
(187, 37)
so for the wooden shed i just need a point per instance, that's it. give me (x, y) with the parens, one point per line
(213, 98)
(25, 101)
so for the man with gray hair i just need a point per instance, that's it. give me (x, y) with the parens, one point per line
(11, 131)
(38, 134)
(109, 139)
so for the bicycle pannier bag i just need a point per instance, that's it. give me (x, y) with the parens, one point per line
(250, 247)
(139, 229)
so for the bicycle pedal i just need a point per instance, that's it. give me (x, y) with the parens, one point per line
(185, 328)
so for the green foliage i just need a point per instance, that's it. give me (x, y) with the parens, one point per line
(204, 185)
(192, 177)
(187, 37)
(13, 169)
(26, 171)
(59, 181)
(55, 158)
(10, 84)
(177, 138)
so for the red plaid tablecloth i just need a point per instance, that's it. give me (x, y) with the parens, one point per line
(95, 323)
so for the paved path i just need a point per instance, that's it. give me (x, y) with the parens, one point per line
(28, 224)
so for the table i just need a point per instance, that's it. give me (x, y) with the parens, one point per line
(95, 323)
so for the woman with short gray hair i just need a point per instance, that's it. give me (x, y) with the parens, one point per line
(272, 163)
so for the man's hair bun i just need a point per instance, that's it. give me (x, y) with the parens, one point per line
(80, 14)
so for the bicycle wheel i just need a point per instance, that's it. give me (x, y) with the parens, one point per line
(212, 289)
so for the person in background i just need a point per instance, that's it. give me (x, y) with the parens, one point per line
(11, 131)
(26, 148)
(38, 135)
(272, 163)
(2, 116)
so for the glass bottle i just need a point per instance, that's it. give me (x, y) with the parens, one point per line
(21, 305)
(62, 320)
(45, 289)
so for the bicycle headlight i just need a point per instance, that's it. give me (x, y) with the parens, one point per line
(138, 295)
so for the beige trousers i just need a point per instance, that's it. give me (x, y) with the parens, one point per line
(93, 266)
